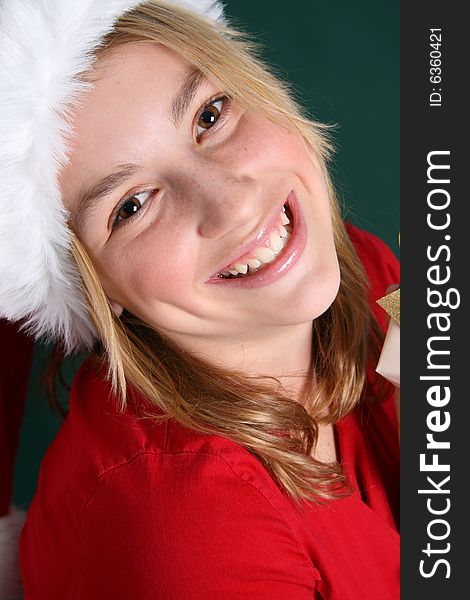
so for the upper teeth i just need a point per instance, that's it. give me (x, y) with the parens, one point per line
(277, 243)
(265, 254)
(253, 263)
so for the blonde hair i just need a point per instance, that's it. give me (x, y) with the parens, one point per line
(253, 412)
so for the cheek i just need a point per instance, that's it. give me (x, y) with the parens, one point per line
(263, 145)
(269, 141)
(267, 146)
(152, 270)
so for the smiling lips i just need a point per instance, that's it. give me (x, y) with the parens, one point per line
(265, 252)
(274, 251)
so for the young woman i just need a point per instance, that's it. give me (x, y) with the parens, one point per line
(227, 437)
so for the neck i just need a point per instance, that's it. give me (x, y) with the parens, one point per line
(284, 354)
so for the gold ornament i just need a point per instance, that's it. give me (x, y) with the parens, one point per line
(391, 304)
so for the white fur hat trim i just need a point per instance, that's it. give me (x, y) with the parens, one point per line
(44, 46)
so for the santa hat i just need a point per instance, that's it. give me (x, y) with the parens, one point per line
(44, 47)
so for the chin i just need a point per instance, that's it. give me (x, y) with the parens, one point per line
(308, 295)
(316, 296)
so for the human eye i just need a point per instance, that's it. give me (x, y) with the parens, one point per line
(211, 116)
(129, 207)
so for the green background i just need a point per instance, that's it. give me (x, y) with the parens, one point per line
(342, 58)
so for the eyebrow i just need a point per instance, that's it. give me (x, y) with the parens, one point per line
(192, 81)
(185, 95)
(89, 199)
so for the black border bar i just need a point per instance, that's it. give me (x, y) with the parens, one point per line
(435, 332)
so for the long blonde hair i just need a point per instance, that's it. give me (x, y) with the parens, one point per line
(253, 412)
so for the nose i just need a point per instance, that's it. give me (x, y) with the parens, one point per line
(222, 200)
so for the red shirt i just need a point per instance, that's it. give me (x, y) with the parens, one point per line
(128, 509)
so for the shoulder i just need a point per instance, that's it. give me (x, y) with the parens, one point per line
(192, 525)
(191, 513)
(98, 442)
(127, 437)
(153, 501)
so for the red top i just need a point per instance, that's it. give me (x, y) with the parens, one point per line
(129, 509)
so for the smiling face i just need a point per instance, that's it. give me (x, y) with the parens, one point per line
(174, 189)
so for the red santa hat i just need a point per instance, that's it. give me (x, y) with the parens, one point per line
(45, 45)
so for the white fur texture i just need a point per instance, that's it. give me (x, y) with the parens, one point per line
(10, 529)
(44, 46)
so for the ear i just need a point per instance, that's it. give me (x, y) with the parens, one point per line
(116, 308)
